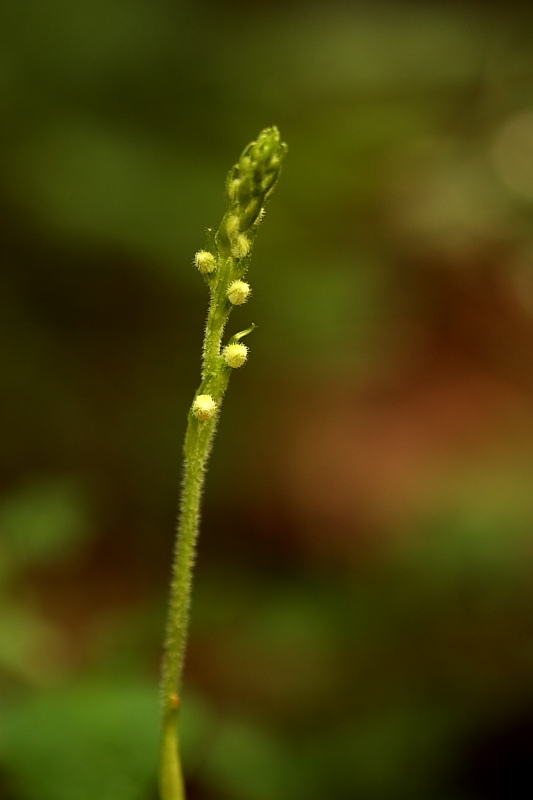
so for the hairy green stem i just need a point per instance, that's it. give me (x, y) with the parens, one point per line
(223, 264)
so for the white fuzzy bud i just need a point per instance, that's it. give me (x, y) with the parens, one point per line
(205, 262)
(204, 407)
(240, 246)
(235, 355)
(238, 292)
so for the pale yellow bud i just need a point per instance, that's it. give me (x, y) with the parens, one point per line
(204, 407)
(233, 188)
(238, 292)
(232, 225)
(205, 262)
(240, 246)
(235, 355)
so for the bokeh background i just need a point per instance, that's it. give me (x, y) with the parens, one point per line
(362, 617)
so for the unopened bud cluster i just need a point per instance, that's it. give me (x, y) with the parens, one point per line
(248, 187)
(254, 176)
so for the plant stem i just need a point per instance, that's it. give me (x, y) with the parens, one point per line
(248, 187)
(198, 442)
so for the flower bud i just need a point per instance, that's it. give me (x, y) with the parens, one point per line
(233, 188)
(205, 262)
(240, 246)
(235, 355)
(232, 225)
(250, 213)
(238, 292)
(204, 407)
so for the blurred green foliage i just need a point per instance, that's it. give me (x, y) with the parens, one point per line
(361, 620)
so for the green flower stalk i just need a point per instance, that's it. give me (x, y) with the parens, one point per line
(223, 264)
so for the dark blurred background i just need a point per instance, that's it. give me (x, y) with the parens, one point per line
(362, 615)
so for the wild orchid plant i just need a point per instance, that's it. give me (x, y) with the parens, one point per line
(223, 264)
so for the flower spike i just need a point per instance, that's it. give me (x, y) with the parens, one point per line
(223, 263)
